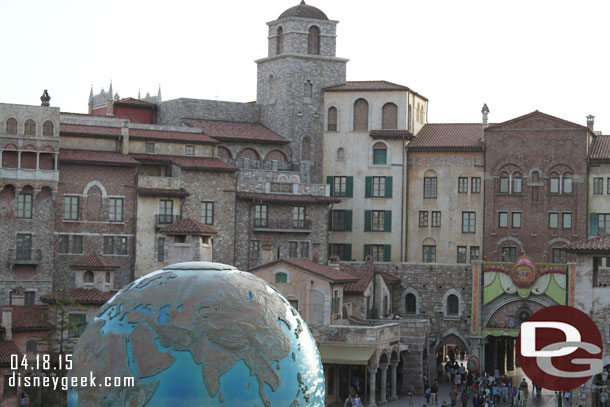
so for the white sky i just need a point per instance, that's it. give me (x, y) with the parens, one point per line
(517, 56)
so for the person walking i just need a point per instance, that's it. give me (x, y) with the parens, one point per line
(410, 394)
(349, 401)
(453, 394)
(434, 393)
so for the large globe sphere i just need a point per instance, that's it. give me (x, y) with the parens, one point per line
(198, 334)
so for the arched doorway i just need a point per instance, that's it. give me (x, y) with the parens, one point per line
(451, 352)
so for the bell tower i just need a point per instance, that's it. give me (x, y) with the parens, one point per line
(300, 63)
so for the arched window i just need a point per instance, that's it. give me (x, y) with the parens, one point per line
(279, 44)
(410, 304)
(517, 184)
(504, 183)
(248, 153)
(361, 115)
(223, 152)
(453, 305)
(31, 345)
(281, 278)
(308, 91)
(380, 153)
(567, 183)
(340, 154)
(11, 126)
(313, 40)
(389, 116)
(47, 129)
(271, 89)
(306, 148)
(88, 277)
(554, 184)
(30, 127)
(332, 119)
(107, 277)
(276, 155)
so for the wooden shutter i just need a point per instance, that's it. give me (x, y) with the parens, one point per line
(368, 186)
(367, 221)
(387, 221)
(388, 187)
(348, 252)
(387, 252)
(349, 187)
(348, 221)
(367, 251)
(330, 181)
(593, 224)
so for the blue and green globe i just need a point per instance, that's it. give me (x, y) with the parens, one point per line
(199, 334)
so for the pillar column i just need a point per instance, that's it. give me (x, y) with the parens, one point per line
(510, 355)
(19, 159)
(384, 384)
(393, 366)
(372, 372)
(55, 159)
(37, 160)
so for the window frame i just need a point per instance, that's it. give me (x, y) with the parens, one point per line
(71, 207)
(469, 222)
(189, 150)
(512, 223)
(502, 214)
(206, 212)
(161, 249)
(555, 216)
(511, 257)
(430, 187)
(261, 215)
(340, 186)
(475, 185)
(559, 254)
(77, 244)
(378, 187)
(435, 220)
(563, 220)
(121, 247)
(116, 209)
(478, 253)
(377, 252)
(149, 148)
(339, 223)
(293, 250)
(429, 253)
(23, 246)
(24, 205)
(378, 221)
(423, 219)
(598, 185)
(254, 249)
(453, 306)
(461, 255)
(462, 185)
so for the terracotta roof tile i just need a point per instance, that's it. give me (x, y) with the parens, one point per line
(188, 226)
(79, 129)
(288, 198)
(322, 270)
(134, 101)
(364, 86)
(600, 148)
(84, 296)
(365, 276)
(96, 157)
(448, 135)
(189, 163)
(28, 317)
(8, 348)
(592, 244)
(236, 131)
(172, 136)
(95, 261)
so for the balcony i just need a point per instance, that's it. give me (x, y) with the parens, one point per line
(152, 182)
(282, 225)
(162, 220)
(29, 174)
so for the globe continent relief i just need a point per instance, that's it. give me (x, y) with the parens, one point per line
(199, 334)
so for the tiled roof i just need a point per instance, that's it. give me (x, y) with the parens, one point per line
(8, 348)
(190, 163)
(288, 198)
(95, 157)
(364, 86)
(516, 121)
(449, 135)
(188, 226)
(133, 101)
(322, 270)
(162, 192)
(28, 317)
(79, 129)
(600, 149)
(171, 136)
(592, 244)
(365, 276)
(95, 261)
(236, 131)
(84, 296)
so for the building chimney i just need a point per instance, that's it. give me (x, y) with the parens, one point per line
(45, 98)
(267, 249)
(591, 122)
(315, 253)
(7, 322)
(485, 111)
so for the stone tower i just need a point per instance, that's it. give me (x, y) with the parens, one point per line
(301, 62)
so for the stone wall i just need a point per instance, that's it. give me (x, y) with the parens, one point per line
(172, 112)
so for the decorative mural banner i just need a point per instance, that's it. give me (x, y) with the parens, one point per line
(525, 278)
(474, 314)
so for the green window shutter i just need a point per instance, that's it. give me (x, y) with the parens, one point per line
(349, 187)
(348, 252)
(330, 181)
(348, 221)
(593, 224)
(368, 186)
(367, 221)
(367, 251)
(387, 252)
(388, 187)
(330, 220)
(388, 221)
